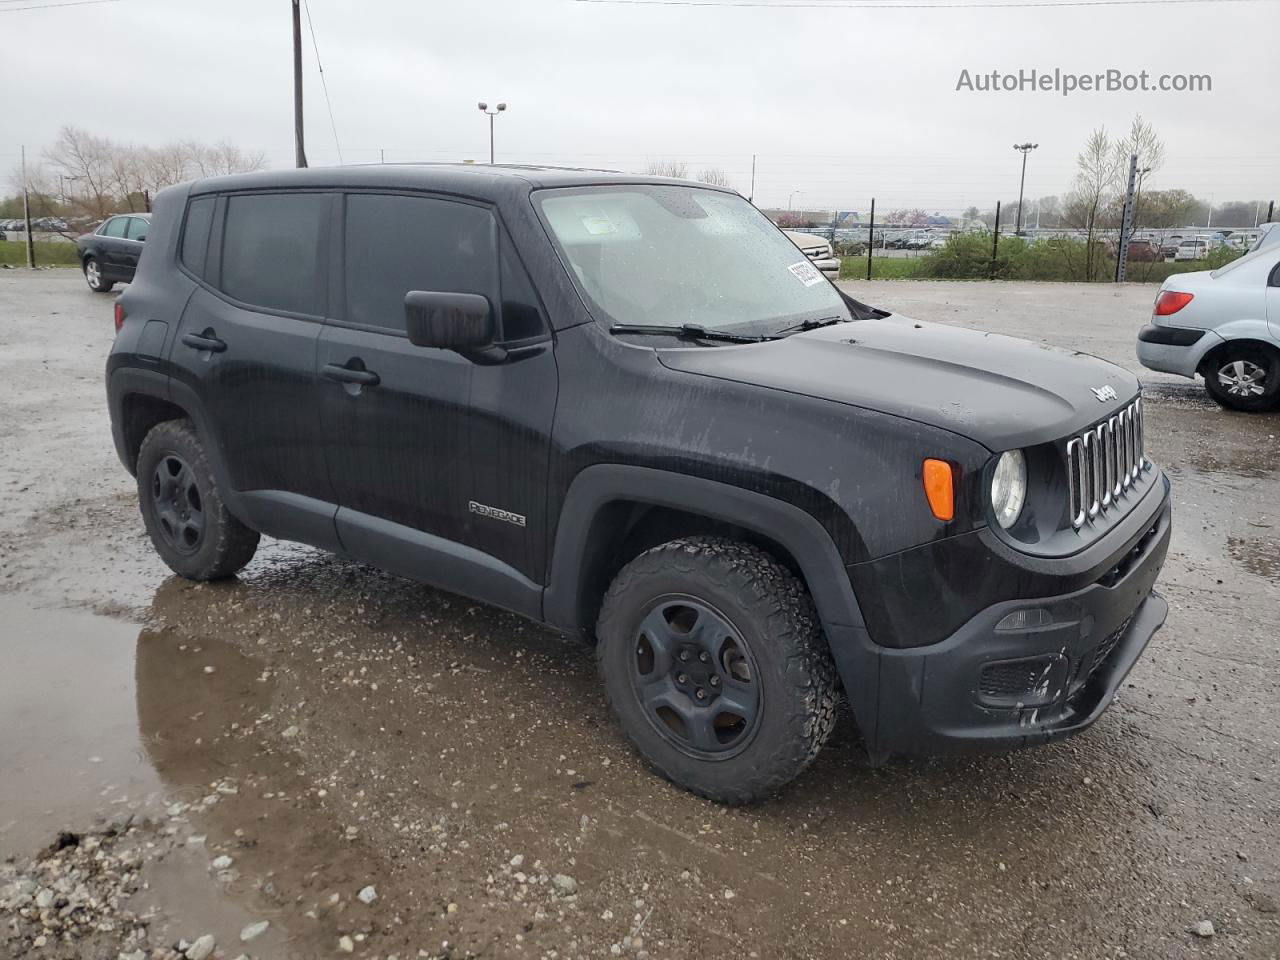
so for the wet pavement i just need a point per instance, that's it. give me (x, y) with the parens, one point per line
(330, 728)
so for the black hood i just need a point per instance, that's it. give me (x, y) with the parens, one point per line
(997, 390)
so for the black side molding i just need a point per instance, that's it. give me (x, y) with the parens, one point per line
(1171, 336)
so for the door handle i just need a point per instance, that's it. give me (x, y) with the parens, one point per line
(204, 341)
(365, 378)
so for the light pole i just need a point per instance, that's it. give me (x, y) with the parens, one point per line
(1024, 149)
(792, 197)
(484, 108)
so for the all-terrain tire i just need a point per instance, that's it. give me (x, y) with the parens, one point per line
(1236, 366)
(772, 612)
(172, 456)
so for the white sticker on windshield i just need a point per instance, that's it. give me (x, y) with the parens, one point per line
(597, 225)
(806, 273)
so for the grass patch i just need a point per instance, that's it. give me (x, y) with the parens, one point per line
(48, 253)
(968, 257)
(882, 268)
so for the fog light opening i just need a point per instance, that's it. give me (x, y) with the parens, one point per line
(1027, 618)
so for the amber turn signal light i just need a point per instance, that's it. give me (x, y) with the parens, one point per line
(939, 489)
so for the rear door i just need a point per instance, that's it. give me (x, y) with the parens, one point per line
(134, 241)
(440, 462)
(247, 350)
(111, 245)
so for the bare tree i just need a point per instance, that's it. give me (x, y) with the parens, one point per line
(1142, 140)
(87, 162)
(1097, 173)
(668, 168)
(715, 176)
(105, 177)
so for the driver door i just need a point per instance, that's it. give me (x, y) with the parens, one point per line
(417, 439)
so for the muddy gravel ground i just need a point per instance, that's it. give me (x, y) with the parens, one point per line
(317, 759)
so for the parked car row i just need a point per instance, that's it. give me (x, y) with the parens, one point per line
(42, 224)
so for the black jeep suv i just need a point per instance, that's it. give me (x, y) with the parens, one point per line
(629, 409)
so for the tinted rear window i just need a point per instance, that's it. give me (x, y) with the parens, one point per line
(395, 244)
(195, 235)
(272, 251)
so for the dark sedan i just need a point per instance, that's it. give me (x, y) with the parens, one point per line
(110, 254)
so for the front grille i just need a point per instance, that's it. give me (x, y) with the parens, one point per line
(1108, 644)
(1104, 464)
(1101, 654)
(815, 253)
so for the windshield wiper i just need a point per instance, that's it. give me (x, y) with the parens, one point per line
(813, 324)
(688, 331)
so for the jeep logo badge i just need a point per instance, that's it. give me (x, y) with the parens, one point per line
(1105, 393)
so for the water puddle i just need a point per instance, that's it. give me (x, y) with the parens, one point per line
(69, 738)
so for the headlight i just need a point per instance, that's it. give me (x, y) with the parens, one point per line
(1009, 488)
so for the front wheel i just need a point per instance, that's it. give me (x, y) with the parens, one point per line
(1244, 378)
(716, 668)
(190, 527)
(94, 278)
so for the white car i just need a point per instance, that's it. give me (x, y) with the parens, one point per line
(1223, 325)
(1195, 248)
(818, 250)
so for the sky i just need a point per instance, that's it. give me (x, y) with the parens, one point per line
(838, 103)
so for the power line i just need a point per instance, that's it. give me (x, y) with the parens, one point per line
(905, 6)
(324, 84)
(50, 6)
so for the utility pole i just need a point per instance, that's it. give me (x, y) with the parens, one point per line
(751, 197)
(1271, 208)
(1126, 219)
(1024, 149)
(26, 213)
(871, 236)
(299, 150)
(995, 237)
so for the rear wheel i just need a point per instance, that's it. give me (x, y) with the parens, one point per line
(1244, 378)
(716, 668)
(94, 278)
(189, 525)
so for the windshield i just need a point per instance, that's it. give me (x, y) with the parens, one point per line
(673, 255)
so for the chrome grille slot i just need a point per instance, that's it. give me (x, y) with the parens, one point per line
(1103, 465)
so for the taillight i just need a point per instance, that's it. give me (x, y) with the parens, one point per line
(1171, 301)
(119, 315)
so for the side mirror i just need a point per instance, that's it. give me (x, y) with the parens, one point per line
(449, 321)
(142, 239)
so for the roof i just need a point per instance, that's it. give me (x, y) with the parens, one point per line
(483, 181)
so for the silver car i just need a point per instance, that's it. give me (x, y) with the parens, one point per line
(1223, 325)
(818, 250)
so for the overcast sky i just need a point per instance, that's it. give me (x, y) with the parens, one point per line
(840, 104)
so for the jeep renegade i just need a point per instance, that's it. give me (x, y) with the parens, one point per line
(630, 409)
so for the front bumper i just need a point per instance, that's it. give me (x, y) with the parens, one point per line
(828, 266)
(995, 683)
